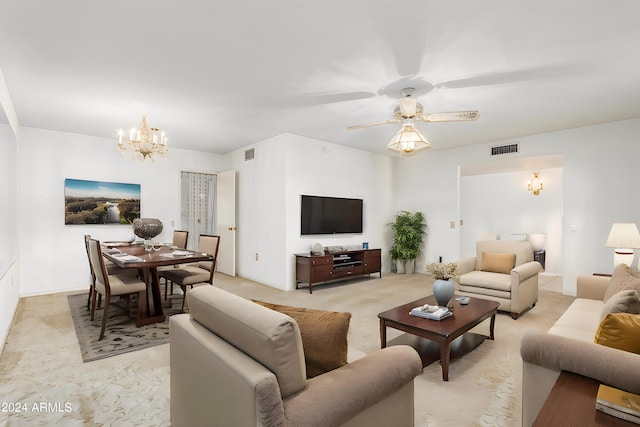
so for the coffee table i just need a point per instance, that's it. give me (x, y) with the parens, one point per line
(439, 339)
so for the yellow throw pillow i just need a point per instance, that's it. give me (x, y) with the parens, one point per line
(324, 336)
(498, 262)
(621, 331)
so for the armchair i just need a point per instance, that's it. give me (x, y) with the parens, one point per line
(502, 271)
(234, 362)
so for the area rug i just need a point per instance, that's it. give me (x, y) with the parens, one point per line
(121, 334)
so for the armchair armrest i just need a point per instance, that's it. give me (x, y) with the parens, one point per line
(525, 271)
(466, 265)
(336, 396)
(617, 368)
(592, 287)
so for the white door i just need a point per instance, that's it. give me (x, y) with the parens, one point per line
(226, 222)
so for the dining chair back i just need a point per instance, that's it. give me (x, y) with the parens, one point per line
(209, 244)
(180, 238)
(110, 267)
(92, 278)
(113, 285)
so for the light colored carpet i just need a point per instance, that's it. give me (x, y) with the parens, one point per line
(41, 361)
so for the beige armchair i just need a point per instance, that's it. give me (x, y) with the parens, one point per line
(502, 271)
(237, 363)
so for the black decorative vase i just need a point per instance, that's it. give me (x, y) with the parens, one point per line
(147, 229)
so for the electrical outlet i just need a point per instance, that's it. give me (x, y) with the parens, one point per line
(256, 256)
(452, 224)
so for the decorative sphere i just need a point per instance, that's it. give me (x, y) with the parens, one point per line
(147, 228)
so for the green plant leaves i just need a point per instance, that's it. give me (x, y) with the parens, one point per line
(408, 233)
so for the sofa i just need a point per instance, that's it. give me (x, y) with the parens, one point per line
(502, 271)
(570, 344)
(237, 363)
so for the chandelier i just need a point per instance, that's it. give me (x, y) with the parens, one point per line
(535, 185)
(143, 142)
(408, 140)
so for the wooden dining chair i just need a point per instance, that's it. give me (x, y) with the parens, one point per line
(113, 285)
(111, 269)
(195, 274)
(180, 238)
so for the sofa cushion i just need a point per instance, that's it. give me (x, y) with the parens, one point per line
(623, 278)
(271, 338)
(498, 262)
(622, 302)
(621, 331)
(485, 279)
(579, 321)
(324, 336)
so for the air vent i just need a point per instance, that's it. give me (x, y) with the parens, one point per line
(249, 154)
(504, 149)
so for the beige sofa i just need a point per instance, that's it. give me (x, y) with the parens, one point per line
(502, 271)
(237, 363)
(569, 346)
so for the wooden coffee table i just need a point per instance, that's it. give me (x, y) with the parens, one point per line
(439, 339)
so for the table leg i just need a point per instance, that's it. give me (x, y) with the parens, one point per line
(445, 355)
(383, 334)
(154, 306)
(491, 325)
(155, 290)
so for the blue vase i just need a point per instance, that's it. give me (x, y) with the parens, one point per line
(443, 291)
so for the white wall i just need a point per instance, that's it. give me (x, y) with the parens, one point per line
(599, 175)
(486, 198)
(9, 290)
(52, 255)
(269, 189)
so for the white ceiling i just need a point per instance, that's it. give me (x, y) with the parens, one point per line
(217, 76)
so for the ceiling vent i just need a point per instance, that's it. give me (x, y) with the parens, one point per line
(249, 154)
(504, 149)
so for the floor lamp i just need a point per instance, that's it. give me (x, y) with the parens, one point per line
(624, 237)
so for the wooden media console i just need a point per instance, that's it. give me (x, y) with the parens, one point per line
(334, 266)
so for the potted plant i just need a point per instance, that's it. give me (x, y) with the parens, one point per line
(408, 233)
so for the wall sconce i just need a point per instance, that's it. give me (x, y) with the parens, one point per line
(535, 185)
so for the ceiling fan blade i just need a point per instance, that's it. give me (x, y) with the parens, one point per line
(330, 98)
(386, 122)
(516, 76)
(456, 116)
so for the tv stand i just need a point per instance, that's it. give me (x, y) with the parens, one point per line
(335, 266)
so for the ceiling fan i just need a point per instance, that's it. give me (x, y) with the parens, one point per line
(408, 140)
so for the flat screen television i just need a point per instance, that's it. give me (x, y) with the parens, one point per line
(330, 215)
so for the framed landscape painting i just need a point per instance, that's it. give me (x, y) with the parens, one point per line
(97, 202)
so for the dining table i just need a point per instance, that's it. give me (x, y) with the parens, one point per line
(147, 260)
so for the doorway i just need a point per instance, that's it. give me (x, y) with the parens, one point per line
(209, 207)
(198, 194)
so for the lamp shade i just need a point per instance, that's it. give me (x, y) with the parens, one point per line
(408, 140)
(623, 235)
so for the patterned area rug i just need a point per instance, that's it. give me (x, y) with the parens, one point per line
(121, 335)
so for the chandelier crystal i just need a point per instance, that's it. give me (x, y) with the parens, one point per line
(144, 142)
(408, 140)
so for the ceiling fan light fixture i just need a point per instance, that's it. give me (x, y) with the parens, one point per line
(408, 140)
(408, 107)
